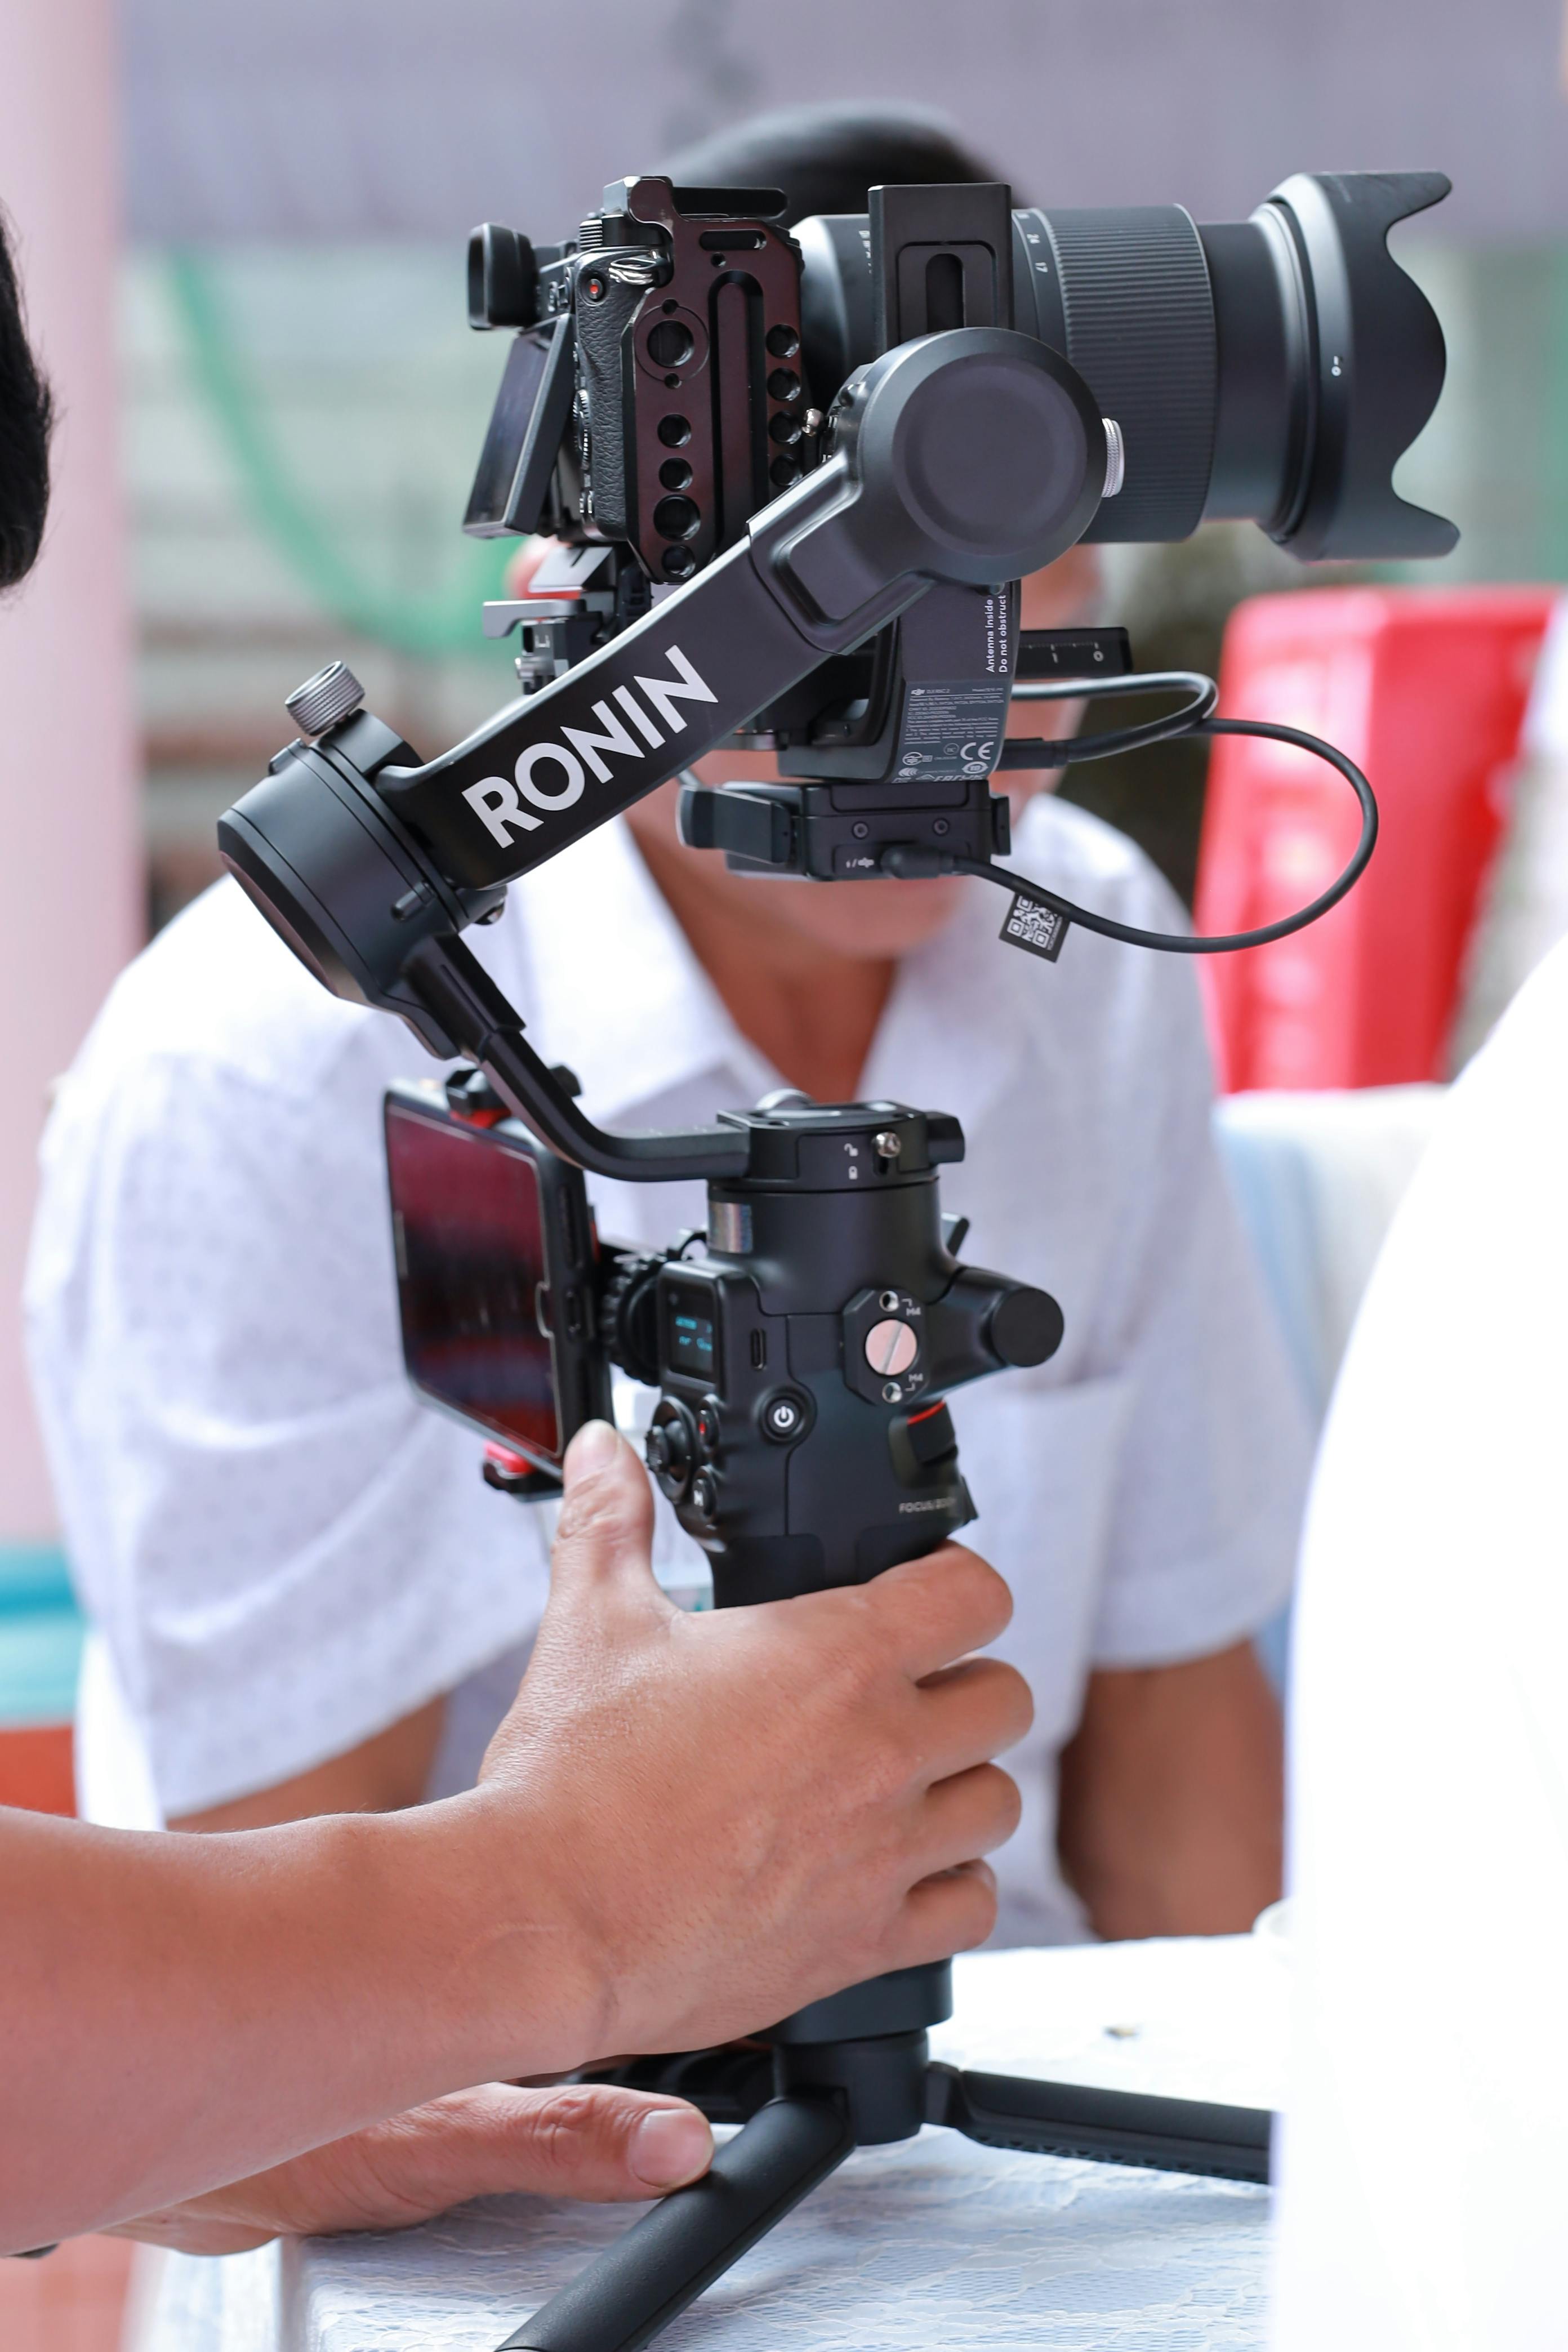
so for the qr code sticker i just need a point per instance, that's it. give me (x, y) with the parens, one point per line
(1039, 929)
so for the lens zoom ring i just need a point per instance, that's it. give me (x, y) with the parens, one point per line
(1141, 332)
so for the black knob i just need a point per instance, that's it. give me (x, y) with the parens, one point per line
(671, 1447)
(1025, 1327)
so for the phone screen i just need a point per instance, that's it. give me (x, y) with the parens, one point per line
(467, 1221)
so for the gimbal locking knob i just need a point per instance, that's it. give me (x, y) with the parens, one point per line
(324, 699)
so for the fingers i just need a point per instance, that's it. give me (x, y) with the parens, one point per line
(606, 1527)
(968, 1816)
(942, 1915)
(935, 1610)
(973, 1712)
(588, 2140)
(593, 2140)
(585, 2140)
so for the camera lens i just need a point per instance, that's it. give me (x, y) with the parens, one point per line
(1274, 369)
(669, 344)
(675, 432)
(675, 474)
(677, 518)
(1223, 353)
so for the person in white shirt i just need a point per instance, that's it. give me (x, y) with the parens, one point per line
(305, 1597)
(1422, 2178)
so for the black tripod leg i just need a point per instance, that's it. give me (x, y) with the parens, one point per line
(1107, 2127)
(665, 2259)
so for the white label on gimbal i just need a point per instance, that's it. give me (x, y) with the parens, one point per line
(497, 805)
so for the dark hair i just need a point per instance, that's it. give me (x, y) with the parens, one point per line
(26, 413)
(824, 158)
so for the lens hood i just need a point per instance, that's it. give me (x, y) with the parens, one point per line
(1373, 365)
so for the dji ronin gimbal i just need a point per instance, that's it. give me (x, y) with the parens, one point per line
(840, 586)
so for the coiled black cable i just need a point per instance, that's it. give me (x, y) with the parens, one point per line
(909, 862)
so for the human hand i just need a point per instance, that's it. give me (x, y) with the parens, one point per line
(744, 1810)
(586, 2140)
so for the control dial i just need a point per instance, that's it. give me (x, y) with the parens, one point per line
(671, 1447)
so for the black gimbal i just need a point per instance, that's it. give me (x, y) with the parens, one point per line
(867, 613)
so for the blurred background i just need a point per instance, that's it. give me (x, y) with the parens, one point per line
(302, 401)
(241, 232)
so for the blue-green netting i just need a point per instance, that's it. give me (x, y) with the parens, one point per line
(40, 1636)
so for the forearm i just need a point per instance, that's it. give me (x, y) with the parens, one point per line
(382, 1775)
(178, 2011)
(1172, 1797)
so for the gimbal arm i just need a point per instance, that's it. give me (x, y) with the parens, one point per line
(971, 457)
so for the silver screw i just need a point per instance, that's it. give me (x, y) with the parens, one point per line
(887, 1144)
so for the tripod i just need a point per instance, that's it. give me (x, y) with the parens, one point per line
(852, 2071)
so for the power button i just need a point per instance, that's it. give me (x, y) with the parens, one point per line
(785, 1415)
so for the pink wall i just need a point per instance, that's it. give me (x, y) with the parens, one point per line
(69, 808)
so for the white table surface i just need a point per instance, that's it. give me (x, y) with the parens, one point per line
(930, 2246)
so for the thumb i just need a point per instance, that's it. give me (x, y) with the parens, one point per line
(579, 2140)
(605, 1531)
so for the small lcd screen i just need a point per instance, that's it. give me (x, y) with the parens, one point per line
(518, 424)
(690, 1344)
(467, 1225)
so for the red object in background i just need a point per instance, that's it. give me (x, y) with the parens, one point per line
(36, 1769)
(1425, 689)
